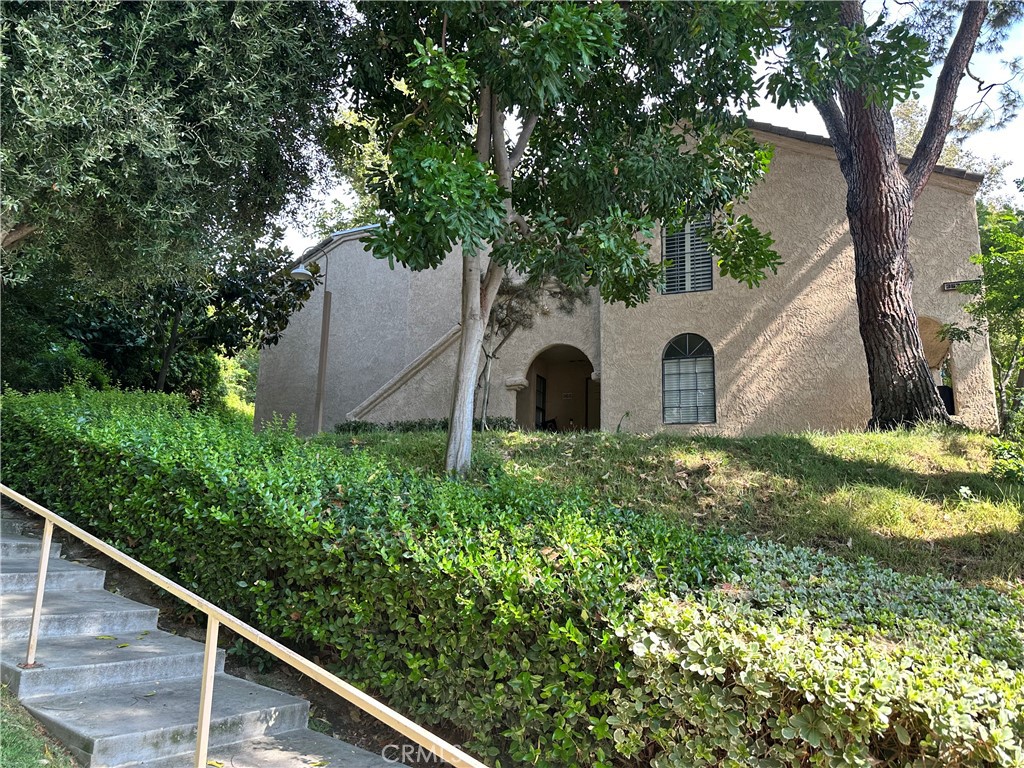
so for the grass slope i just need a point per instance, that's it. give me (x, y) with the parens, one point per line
(23, 742)
(916, 501)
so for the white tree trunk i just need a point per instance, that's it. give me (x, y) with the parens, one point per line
(479, 290)
(460, 424)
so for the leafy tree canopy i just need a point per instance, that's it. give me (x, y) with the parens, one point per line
(596, 91)
(142, 138)
(998, 304)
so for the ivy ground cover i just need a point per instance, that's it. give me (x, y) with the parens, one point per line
(552, 627)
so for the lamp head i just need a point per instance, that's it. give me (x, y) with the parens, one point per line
(301, 274)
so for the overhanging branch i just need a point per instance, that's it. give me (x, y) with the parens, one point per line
(19, 233)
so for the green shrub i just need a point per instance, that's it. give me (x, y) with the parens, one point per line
(1008, 459)
(52, 365)
(556, 631)
(355, 427)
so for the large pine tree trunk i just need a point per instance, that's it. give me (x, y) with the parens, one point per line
(880, 211)
(880, 207)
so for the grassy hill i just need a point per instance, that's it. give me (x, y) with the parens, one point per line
(917, 502)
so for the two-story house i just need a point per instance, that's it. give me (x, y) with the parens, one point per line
(705, 353)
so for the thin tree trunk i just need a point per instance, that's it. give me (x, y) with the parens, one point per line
(479, 290)
(477, 298)
(168, 353)
(460, 422)
(485, 392)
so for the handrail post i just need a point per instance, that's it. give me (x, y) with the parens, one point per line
(37, 606)
(206, 691)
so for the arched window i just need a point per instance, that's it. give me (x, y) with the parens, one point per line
(688, 381)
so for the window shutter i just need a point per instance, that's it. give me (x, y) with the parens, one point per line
(691, 266)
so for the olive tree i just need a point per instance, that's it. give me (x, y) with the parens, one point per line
(144, 138)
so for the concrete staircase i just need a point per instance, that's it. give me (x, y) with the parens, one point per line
(117, 691)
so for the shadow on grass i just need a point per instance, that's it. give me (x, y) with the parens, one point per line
(959, 501)
(852, 495)
(796, 457)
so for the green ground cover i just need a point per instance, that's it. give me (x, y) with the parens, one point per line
(567, 605)
(919, 502)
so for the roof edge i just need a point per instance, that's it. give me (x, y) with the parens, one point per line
(825, 141)
(342, 235)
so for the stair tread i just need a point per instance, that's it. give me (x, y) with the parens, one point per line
(30, 564)
(101, 713)
(15, 605)
(292, 749)
(74, 651)
(19, 539)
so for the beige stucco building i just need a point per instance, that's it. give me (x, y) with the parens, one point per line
(713, 356)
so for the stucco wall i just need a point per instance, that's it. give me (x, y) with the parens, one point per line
(788, 355)
(427, 394)
(381, 320)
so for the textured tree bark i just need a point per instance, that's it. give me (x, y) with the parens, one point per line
(880, 211)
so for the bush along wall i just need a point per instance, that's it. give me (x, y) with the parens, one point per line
(553, 632)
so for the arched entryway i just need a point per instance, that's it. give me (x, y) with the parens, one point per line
(561, 394)
(936, 352)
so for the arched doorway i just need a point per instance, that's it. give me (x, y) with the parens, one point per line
(560, 395)
(936, 352)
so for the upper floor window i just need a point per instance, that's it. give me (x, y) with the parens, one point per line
(688, 381)
(689, 264)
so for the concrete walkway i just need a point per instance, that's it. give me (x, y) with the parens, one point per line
(117, 691)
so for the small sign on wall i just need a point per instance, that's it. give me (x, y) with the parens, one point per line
(954, 285)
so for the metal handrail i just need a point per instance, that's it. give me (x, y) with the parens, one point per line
(217, 616)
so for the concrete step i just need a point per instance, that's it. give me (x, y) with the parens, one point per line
(80, 662)
(297, 749)
(16, 545)
(83, 612)
(18, 574)
(144, 722)
(11, 526)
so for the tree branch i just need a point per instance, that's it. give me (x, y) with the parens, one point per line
(483, 125)
(926, 155)
(501, 161)
(519, 220)
(835, 123)
(19, 233)
(489, 286)
(524, 137)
